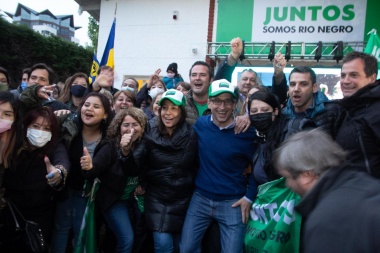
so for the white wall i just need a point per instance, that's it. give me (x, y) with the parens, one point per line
(147, 37)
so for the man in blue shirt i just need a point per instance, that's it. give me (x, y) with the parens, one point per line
(221, 191)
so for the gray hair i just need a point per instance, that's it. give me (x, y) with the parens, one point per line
(312, 150)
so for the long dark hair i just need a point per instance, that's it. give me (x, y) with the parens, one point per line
(274, 136)
(8, 138)
(161, 126)
(22, 142)
(66, 92)
(107, 109)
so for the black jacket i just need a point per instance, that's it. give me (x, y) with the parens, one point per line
(110, 166)
(169, 168)
(360, 131)
(341, 213)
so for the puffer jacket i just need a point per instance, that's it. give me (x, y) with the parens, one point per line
(325, 114)
(169, 165)
(360, 131)
(191, 109)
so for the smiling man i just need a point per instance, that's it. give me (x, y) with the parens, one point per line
(221, 191)
(40, 83)
(201, 75)
(307, 102)
(360, 131)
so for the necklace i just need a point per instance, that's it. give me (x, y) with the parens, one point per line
(261, 135)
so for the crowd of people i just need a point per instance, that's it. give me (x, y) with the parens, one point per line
(180, 163)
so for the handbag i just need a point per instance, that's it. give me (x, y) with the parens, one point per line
(31, 231)
(273, 225)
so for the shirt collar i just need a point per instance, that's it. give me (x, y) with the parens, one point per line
(232, 125)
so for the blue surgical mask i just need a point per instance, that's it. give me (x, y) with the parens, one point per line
(128, 88)
(24, 85)
(78, 90)
(171, 75)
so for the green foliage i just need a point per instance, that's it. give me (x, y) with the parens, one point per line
(22, 47)
(93, 31)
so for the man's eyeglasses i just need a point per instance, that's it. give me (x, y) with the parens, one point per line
(227, 102)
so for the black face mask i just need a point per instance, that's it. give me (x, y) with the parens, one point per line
(261, 121)
(78, 90)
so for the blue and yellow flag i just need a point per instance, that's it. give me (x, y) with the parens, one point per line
(94, 70)
(108, 54)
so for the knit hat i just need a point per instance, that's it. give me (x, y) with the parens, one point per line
(173, 67)
(221, 86)
(175, 96)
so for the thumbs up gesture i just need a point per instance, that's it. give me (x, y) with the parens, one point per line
(54, 174)
(126, 142)
(86, 160)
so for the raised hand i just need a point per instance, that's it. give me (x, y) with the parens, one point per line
(236, 47)
(86, 160)
(154, 78)
(279, 63)
(126, 142)
(103, 80)
(45, 91)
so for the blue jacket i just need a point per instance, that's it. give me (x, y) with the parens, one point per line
(171, 83)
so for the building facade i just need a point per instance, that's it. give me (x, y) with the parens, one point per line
(46, 23)
(151, 34)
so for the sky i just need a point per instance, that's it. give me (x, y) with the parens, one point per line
(57, 7)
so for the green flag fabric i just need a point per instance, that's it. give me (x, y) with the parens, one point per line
(273, 225)
(373, 46)
(87, 235)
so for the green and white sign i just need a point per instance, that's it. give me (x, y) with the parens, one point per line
(308, 20)
(295, 20)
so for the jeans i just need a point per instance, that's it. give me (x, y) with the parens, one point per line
(117, 219)
(69, 214)
(166, 242)
(200, 214)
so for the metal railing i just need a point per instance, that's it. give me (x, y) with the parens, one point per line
(298, 50)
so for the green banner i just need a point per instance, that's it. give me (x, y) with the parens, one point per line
(373, 46)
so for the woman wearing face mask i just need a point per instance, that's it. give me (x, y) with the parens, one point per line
(8, 120)
(149, 91)
(38, 169)
(74, 90)
(86, 129)
(266, 117)
(172, 78)
(118, 181)
(123, 99)
(169, 152)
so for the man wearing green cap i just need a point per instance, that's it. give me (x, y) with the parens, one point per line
(221, 191)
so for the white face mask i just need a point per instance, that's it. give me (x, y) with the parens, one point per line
(128, 88)
(153, 92)
(38, 138)
(171, 75)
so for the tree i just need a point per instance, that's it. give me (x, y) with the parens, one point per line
(22, 47)
(93, 32)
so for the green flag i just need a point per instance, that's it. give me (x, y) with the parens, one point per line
(87, 235)
(373, 46)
